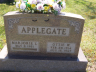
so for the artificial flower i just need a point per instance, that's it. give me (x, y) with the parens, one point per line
(29, 8)
(29, 1)
(46, 8)
(40, 7)
(18, 4)
(22, 6)
(39, 1)
(56, 6)
(28, 4)
(33, 6)
(51, 2)
(32, 1)
(45, 2)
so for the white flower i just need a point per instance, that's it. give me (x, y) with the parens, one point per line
(38, 1)
(22, 6)
(64, 4)
(29, 1)
(17, 4)
(32, 1)
(45, 2)
(40, 7)
(50, 2)
(56, 6)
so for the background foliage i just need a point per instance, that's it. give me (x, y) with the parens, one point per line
(86, 8)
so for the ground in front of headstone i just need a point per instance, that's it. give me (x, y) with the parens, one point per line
(91, 67)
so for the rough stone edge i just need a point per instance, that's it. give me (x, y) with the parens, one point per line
(61, 14)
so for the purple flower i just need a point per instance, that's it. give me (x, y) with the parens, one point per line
(39, 1)
(40, 7)
(32, 1)
(56, 6)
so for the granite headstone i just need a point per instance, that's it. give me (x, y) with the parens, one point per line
(43, 42)
(43, 34)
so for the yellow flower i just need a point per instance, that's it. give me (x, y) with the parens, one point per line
(28, 2)
(19, 4)
(46, 8)
(33, 6)
(52, 0)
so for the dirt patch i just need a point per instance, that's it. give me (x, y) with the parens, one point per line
(91, 67)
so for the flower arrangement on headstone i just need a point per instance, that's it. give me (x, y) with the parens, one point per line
(41, 6)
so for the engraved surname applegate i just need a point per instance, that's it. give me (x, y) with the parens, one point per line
(59, 31)
(25, 46)
(58, 47)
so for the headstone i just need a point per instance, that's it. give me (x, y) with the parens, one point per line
(43, 42)
(43, 34)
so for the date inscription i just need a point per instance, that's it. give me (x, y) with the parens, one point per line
(25, 46)
(58, 47)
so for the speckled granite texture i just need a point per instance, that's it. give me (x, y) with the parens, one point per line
(25, 65)
(71, 24)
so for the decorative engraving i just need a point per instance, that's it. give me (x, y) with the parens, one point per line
(76, 24)
(25, 46)
(59, 47)
(11, 22)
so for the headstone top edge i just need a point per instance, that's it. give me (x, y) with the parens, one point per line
(71, 15)
(61, 14)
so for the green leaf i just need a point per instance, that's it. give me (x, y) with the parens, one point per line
(25, 0)
(55, 12)
(28, 5)
(60, 3)
(46, 5)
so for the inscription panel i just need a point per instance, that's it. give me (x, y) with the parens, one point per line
(58, 47)
(33, 30)
(25, 46)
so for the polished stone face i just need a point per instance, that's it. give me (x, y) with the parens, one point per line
(43, 34)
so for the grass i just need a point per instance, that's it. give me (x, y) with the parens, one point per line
(86, 8)
(4, 8)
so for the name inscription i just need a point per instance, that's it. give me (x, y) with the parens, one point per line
(25, 46)
(33, 30)
(57, 47)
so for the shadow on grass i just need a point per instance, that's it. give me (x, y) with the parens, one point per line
(90, 8)
(8, 2)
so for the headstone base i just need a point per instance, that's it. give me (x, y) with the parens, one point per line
(36, 65)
